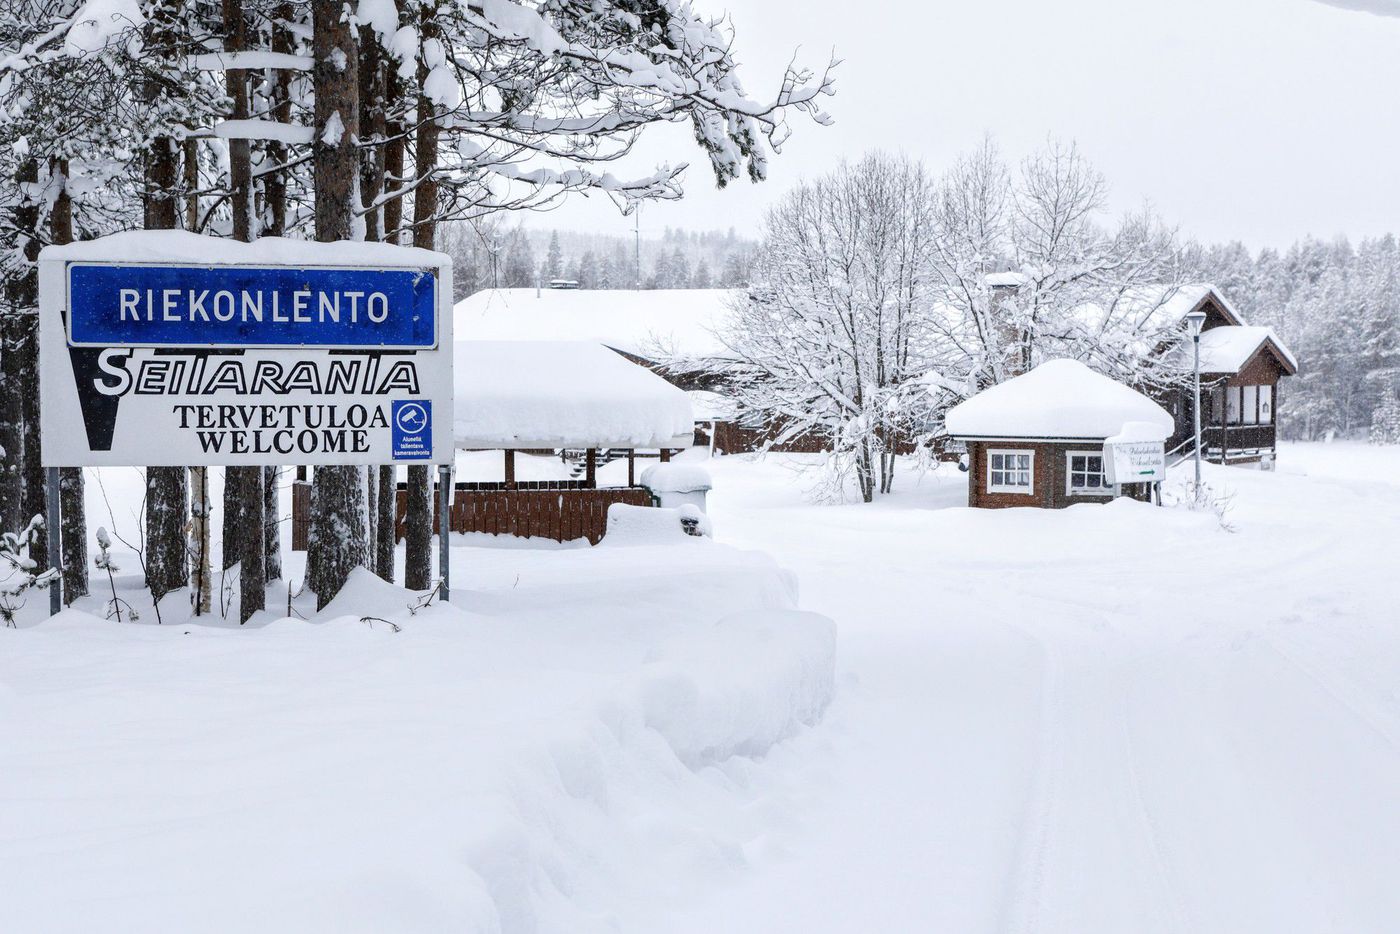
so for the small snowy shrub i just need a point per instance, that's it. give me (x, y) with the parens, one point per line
(19, 570)
(1202, 498)
(104, 562)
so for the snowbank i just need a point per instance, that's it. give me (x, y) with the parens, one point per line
(562, 394)
(530, 765)
(1058, 399)
(652, 525)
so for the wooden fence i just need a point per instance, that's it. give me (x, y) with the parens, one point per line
(559, 510)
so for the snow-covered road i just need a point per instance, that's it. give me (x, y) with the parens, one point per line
(1102, 720)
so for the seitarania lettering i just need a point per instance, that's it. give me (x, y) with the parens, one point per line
(224, 306)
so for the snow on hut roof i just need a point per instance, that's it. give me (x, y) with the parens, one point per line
(562, 394)
(645, 323)
(1227, 349)
(1001, 280)
(1058, 399)
(1153, 310)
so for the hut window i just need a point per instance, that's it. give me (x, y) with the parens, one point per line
(1232, 405)
(1251, 405)
(1266, 405)
(1010, 471)
(1086, 474)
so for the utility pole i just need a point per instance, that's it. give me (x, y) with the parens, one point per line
(637, 227)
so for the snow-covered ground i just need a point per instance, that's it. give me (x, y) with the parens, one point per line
(1111, 718)
(1102, 720)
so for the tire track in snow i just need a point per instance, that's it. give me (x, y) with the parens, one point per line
(1337, 695)
(1182, 918)
(1023, 895)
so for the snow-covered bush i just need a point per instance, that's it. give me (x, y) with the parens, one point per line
(1385, 420)
(19, 570)
(103, 561)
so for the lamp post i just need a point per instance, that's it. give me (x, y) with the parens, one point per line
(1194, 320)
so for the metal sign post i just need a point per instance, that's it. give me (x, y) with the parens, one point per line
(52, 525)
(445, 529)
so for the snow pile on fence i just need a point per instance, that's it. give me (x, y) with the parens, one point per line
(1058, 399)
(521, 767)
(677, 478)
(563, 394)
(638, 322)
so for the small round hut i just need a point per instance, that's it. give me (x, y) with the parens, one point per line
(1038, 439)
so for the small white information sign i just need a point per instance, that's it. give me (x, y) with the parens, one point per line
(1135, 462)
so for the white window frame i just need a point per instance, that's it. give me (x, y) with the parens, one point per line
(1107, 489)
(1003, 488)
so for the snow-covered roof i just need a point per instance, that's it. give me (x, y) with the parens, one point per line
(1058, 399)
(1154, 310)
(1168, 306)
(680, 322)
(1227, 349)
(562, 394)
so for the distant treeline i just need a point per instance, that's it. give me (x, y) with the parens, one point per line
(497, 256)
(1337, 306)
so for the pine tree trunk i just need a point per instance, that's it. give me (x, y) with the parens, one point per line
(75, 553)
(23, 296)
(167, 494)
(275, 183)
(72, 510)
(338, 522)
(35, 501)
(418, 532)
(233, 514)
(272, 526)
(252, 544)
(387, 502)
(418, 529)
(11, 424)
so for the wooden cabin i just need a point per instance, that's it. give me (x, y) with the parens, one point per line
(1038, 439)
(1242, 369)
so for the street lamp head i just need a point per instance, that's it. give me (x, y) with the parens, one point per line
(1194, 320)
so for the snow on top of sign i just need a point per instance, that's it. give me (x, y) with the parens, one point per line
(1058, 399)
(646, 323)
(1140, 433)
(1227, 349)
(180, 246)
(558, 394)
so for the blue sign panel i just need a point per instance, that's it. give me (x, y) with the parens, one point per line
(225, 306)
(411, 429)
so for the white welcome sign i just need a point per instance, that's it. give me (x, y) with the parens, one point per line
(167, 348)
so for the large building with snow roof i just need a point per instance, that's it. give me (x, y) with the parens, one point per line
(1038, 438)
(1242, 368)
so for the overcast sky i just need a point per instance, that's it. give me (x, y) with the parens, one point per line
(1257, 120)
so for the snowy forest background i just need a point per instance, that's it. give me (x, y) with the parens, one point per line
(1335, 302)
